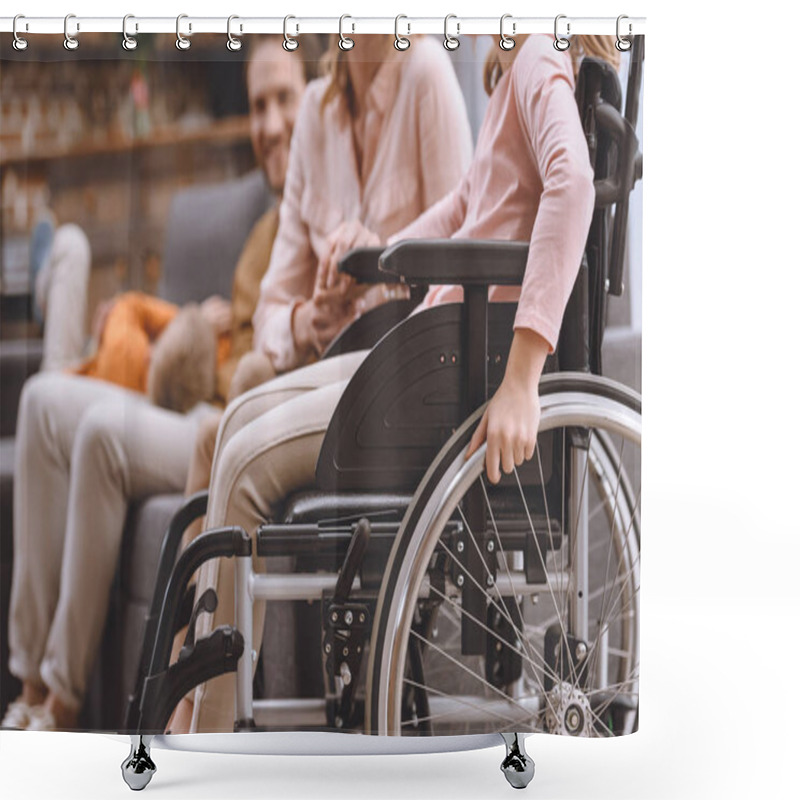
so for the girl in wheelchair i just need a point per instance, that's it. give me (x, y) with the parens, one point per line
(530, 179)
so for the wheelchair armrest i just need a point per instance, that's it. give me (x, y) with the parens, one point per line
(465, 262)
(361, 263)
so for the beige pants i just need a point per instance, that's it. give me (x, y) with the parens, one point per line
(84, 449)
(267, 448)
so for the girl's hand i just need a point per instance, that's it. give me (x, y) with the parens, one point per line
(511, 420)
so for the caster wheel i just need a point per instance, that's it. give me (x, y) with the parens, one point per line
(517, 766)
(138, 768)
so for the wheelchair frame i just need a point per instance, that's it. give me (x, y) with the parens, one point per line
(377, 505)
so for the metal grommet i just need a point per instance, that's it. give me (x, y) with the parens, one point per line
(623, 44)
(561, 43)
(451, 42)
(506, 42)
(289, 43)
(128, 42)
(70, 42)
(234, 43)
(182, 42)
(19, 43)
(345, 42)
(401, 42)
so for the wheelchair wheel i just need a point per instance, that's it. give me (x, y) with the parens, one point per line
(516, 607)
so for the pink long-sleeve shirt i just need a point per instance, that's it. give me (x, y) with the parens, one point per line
(530, 179)
(417, 146)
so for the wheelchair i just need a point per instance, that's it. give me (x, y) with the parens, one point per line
(448, 605)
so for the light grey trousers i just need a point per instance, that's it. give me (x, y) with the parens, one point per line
(62, 292)
(84, 449)
(267, 447)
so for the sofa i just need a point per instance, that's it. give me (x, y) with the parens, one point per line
(206, 231)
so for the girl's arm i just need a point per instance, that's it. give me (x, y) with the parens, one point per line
(544, 92)
(511, 420)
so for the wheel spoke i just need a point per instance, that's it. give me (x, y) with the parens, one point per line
(457, 699)
(464, 668)
(508, 618)
(534, 666)
(529, 622)
(549, 585)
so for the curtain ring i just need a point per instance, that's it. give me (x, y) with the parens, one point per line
(561, 43)
(506, 42)
(128, 42)
(19, 43)
(451, 42)
(70, 42)
(234, 43)
(290, 44)
(182, 43)
(345, 42)
(623, 43)
(401, 42)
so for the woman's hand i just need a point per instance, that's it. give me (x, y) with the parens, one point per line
(317, 321)
(347, 236)
(511, 420)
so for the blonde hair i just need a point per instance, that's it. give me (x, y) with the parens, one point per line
(580, 45)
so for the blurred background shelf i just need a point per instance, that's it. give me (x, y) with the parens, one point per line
(225, 131)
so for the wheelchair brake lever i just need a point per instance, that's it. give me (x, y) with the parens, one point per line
(207, 603)
(352, 560)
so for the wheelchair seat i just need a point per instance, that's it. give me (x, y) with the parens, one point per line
(330, 508)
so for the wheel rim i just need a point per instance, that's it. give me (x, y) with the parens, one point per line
(611, 656)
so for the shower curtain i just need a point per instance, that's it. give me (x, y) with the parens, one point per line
(198, 341)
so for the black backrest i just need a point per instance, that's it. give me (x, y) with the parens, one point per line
(615, 157)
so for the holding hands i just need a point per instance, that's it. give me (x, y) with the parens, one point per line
(317, 321)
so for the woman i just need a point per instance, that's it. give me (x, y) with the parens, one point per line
(530, 179)
(377, 141)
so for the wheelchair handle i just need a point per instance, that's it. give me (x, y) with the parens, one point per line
(361, 263)
(218, 543)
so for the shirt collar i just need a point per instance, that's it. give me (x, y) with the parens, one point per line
(383, 89)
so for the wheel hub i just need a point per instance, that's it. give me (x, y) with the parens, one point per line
(568, 711)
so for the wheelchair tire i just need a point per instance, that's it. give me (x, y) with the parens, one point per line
(573, 636)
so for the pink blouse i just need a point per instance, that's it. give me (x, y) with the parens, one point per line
(417, 146)
(530, 179)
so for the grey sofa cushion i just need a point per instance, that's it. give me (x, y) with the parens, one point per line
(19, 359)
(208, 227)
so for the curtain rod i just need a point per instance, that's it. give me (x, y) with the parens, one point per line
(298, 25)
